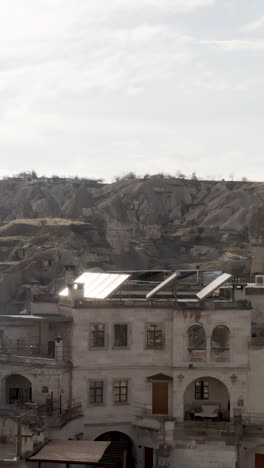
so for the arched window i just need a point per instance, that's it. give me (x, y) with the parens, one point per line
(220, 344)
(18, 389)
(196, 343)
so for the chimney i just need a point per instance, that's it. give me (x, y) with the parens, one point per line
(76, 291)
(70, 273)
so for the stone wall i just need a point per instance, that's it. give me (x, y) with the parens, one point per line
(207, 456)
(56, 379)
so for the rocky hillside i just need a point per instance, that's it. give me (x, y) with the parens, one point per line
(154, 222)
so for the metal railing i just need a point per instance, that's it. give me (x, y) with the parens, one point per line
(248, 418)
(52, 413)
(220, 354)
(142, 409)
(56, 415)
(205, 424)
(197, 355)
(240, 418)
(242, 280)
(45, 297)
(257, 341)
(35, 351)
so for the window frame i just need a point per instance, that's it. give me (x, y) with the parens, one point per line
(114, 345)
(192, 352)
(203, 390)
(161, 331)
(92, 386)
(214, 349)
(120, 387)
(91, 332)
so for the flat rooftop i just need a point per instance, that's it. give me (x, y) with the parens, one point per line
(30, 319)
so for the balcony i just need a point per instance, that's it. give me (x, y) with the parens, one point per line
(197, 355)
(34, 354)
(220, 354)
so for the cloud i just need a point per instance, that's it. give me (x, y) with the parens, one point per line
(254, 25)
(112, 84)
(40, 17)
(236, 45)
(105, 57)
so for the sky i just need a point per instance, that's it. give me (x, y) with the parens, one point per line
(99, 88)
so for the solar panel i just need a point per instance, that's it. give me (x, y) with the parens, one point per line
(98, 285)
(161, 285)
(217, 283)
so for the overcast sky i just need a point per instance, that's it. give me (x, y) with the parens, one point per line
(102, 87)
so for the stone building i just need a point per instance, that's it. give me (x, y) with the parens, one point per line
(147, 359)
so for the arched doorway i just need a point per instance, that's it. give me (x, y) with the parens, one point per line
(207, 399)
(123, 441)
(18, 389)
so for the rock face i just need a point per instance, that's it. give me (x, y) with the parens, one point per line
(132, 224)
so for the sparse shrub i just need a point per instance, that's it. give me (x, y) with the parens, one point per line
(128, 176)
(28, 175)
(180, 175)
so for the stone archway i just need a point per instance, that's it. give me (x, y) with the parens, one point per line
(124, 439)
(204, 393)
(18, 389)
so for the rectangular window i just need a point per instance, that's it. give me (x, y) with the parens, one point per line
(121, 391)
(201, 390)
(97, 335)
(96, 392)
(154, 335)
(120, 335)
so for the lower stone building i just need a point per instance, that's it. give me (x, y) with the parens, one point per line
(164, 364)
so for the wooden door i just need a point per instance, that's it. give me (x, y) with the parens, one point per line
(259, 461)
(160, 398)
(148, 457)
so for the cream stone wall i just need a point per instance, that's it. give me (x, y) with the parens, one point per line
(136, 354)
(237, 321)
(136, 363)
(56, 378)
(256, 380)
(207, 456)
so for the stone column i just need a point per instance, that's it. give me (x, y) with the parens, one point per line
(59, 348)
(208, 348)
